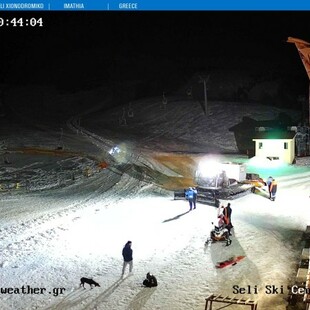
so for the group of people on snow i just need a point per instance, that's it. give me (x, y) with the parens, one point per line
(224, 218)
(224, 221)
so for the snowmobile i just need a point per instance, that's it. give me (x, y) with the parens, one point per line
(219, 234)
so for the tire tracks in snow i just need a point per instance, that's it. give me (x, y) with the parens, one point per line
(289, 181)
(16, 240)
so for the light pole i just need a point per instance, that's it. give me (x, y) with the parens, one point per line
(60, 146)
(204, 80)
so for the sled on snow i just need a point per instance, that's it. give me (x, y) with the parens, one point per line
(229, 262)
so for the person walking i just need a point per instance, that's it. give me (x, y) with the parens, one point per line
(269, 181)
(273, 190)
(189, 195)
(127, 255)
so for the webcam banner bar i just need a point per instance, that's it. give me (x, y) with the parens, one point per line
(155, 5)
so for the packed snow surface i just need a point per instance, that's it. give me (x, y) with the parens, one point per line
(72, 218)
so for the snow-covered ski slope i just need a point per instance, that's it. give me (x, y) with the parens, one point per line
(50, 238)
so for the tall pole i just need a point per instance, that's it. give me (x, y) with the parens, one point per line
(206, 98)
(205, 80)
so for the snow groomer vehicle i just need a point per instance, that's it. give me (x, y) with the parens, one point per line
(224, 181)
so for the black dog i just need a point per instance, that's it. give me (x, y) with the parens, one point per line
(91, 282)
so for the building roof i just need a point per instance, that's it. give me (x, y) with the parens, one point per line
(273, 134)
(249, 124)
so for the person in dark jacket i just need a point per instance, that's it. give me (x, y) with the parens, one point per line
(127, 256)
(273, 190)
(150, 280)
(227, 213)
(227, 217)
(189, 195)
(194, 197)
(269, 181)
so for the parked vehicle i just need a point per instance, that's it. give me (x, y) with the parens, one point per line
(222, 186)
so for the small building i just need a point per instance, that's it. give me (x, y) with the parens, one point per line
(246, 129)
(275, 145)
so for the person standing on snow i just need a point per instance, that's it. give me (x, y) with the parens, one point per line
(189, 195)
(227, 217)
(227, 213)
(127, 255)
(195, 197)
(269, 181)
(273, 190)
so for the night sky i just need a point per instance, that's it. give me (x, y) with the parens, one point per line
(76, 50)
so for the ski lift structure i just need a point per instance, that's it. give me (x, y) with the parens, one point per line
(303, 132)
(164, 101)
(303, 48)
(189, 92)
(205, 80)
(122, 120)
(60, 145)
(130, 113)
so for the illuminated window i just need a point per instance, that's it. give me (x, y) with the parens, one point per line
(285, 145)
(260, 145)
